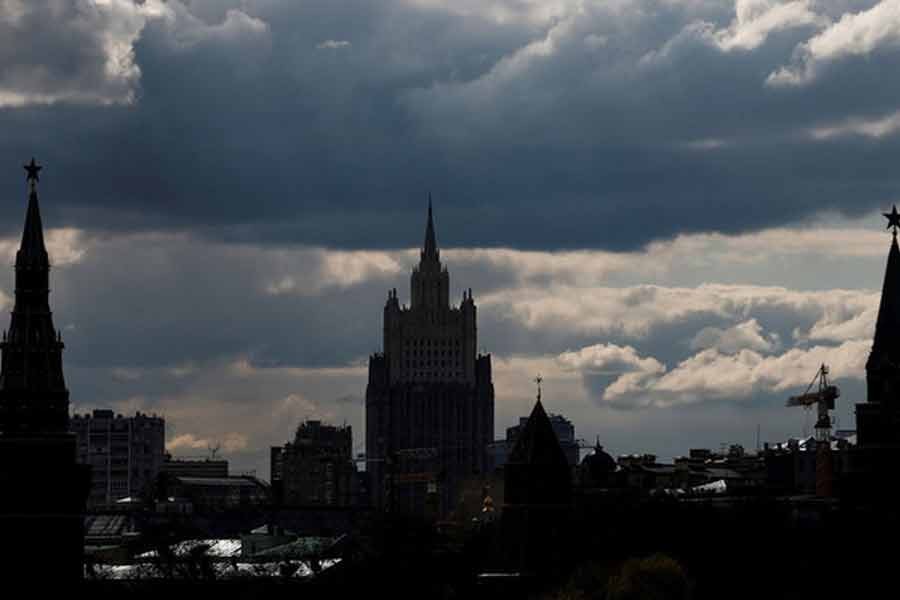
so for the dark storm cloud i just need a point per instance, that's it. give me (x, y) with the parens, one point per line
(165, 301)
(326, 123)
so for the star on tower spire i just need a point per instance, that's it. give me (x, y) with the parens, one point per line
(32, 251)
(538, 380)
(893, 218)
(32, 172)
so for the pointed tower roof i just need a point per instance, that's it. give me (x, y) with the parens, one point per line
(429, 250)
(537, 443)
(32, 252)
(886, 344)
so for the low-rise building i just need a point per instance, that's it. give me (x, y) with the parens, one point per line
(125, 453)
(194, 468)
(317, 468)
(211, 494)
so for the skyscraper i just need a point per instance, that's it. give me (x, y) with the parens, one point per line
(430, 398)
(44, 490)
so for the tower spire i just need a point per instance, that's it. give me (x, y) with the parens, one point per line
(429, 250)
(430, 283)
(32, 252)
(883, 364)
(33, 394)
(886, 343)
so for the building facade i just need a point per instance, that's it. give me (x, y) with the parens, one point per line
(125, 453)
(212, 494)
(317, 468)
(430, 396)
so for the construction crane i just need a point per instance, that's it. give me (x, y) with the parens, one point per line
(823, 398)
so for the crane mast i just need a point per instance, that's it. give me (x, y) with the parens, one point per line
(823, 398)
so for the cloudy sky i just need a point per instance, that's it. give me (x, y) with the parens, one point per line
(669, 208)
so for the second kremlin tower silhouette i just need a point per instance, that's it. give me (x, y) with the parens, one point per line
(878, 418)
(44, 490)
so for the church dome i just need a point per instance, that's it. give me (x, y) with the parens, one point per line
(598, 465)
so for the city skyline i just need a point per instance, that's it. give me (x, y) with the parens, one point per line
(643, 197)
(850, 314)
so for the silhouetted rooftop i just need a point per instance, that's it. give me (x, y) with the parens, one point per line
(537, 443)
(886, 345)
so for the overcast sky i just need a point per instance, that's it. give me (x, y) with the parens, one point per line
(669, 208)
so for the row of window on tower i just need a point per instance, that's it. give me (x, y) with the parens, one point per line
(432, 375)
(424, 342)
(425, 353)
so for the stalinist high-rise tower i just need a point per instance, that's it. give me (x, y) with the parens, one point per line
(430, 398)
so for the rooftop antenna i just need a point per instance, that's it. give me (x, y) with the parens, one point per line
(213, 450)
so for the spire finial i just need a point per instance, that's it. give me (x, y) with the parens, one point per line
(32, 171)
(893, 218)
(538, 380)
(430, 249)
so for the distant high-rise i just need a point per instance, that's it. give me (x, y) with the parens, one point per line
(430, 398)
(44, 490)
(125, 453)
